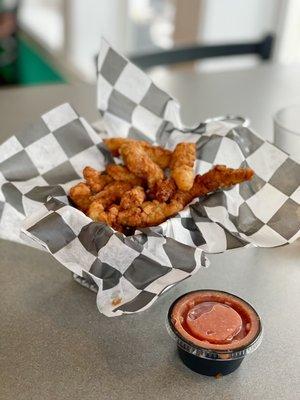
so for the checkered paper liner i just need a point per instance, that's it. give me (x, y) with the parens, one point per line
(38, 166)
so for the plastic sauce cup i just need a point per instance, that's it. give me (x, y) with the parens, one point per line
(213, 330)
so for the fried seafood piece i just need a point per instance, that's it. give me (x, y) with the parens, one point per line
(112, 215)
(80, 195)
(109, 217)
(133, 197)
(95, 179)
(96, 212)
(163, 190)
(152, 213)
(220, 177)
(157, 154)
(184, 177)
(182, 163)
(121, 173)
(139, 163)
(114, 144)
(102, 200)
(184, 154)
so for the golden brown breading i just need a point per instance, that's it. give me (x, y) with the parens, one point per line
(121, 173)
(103, 200)
(182, 163)
(133, 197)
(163, 191)
(217, 178)
(150, 213)
(109, 217)
(184, 154)
(95, 179)
(157, 154)
(220, 177)
(96, 212)
(153, 213)
(114, 144)
(111, 193)
(121, 201)
(138, 162)
(80, 195)
(112, 214)
(183, 176)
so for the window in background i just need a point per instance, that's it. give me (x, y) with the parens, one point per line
(234, 21)
(44, 21)
(288, 50)
(165, 24)
(71, 29)
(151, 25)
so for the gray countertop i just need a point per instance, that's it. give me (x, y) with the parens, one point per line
(54, 344)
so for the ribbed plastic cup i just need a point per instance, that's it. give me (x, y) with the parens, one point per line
(287, 130)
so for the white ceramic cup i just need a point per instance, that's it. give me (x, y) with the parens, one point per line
(287, 130)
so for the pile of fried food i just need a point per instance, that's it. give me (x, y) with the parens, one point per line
(153, 184)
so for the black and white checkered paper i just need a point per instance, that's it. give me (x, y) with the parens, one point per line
(38, 166)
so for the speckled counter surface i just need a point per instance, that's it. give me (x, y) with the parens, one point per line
(54, 344)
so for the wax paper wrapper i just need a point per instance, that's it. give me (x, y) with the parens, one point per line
(38, 166)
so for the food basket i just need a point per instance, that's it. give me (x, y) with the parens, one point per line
(39, 165)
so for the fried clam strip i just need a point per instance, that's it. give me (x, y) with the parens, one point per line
(163, 191)
(101, 201)
(182, 163)
(132, 198)
(219, 177)
(152, 213)
(121, 173)
(157, 154)
(114, 144)
(80, 195)
(95, 179)
(139, 163)
(109, 217)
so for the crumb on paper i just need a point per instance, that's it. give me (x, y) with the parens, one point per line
(218, 375)
(116, 301)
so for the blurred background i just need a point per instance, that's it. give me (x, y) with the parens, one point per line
(44, 41)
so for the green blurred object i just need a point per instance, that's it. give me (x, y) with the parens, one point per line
(21, 62)
(27, 66)
(33, 69)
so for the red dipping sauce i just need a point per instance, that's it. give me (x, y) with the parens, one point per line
(215, 320)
